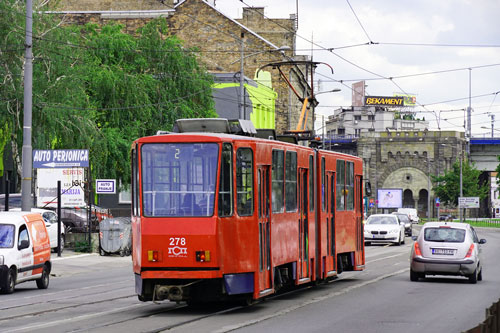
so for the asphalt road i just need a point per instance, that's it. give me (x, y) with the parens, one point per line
(89, 293)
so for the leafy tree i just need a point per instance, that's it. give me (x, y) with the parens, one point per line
(447, 186)
(96, 87)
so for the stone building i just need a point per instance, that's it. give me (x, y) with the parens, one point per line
(223, 42)
(406, 160)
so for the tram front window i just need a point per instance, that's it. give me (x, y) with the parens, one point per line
(178, 179)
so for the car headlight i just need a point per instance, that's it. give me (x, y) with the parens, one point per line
(1, 260)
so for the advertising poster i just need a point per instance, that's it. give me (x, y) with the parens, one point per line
(72, 180)
(390, 197)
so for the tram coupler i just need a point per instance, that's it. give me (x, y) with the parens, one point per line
(175, 293)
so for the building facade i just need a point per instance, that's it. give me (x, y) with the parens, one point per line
(224, 43)
(406, 160)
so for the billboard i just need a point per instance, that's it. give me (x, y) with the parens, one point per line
(384, 101)
(409, 99)
(72, 180)
(358, 93)
(390, 197)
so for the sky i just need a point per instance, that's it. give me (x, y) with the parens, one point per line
(454, 53)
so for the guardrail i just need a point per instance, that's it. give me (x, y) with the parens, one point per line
(492, 322)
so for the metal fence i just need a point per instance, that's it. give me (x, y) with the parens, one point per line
(492, 322)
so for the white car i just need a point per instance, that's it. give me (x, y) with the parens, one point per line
(384, 228)
(50, 219)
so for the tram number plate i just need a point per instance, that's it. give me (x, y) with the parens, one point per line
(449, 252)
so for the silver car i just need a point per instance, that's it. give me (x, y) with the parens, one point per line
(446, 248)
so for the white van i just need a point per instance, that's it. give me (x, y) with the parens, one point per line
(24, 250)
(412, 214)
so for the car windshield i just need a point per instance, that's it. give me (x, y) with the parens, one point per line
(403, 218)
(6, 235)
(382, 220)
(178, 179)
(450, 235)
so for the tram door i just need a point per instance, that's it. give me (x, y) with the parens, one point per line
(303, 224)
(265, 276)
(330, 221)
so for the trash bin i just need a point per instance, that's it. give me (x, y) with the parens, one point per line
(115, 236)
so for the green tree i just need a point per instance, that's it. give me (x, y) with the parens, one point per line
(497, 170)
(447, 186)
(97, 87)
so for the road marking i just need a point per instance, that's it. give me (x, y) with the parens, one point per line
(312, 301)
(62, 321)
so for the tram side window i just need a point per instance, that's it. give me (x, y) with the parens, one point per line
(135, 183)
(311, 183)
(291, 181)
(278, 174)
(244, 181)
(349, 185)
(226, 181)
(340, 185)
(323, 184)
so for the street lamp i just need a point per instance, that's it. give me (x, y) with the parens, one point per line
(492, 129)
(242, 72)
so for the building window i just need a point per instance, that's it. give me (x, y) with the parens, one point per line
(357, 117)
(357, 132)
(371, 117)
(341, 131)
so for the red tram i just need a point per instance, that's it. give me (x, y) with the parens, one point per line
(220, 216)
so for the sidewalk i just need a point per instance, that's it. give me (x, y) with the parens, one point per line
(72, 263)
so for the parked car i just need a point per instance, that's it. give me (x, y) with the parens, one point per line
(50, 219)
(406, 220)
(24, 250)
(74, 218)
(384, 228)
(449, 248)
(446, 217)
(412, 213)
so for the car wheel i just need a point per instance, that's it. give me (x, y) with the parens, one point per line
(10, 282)
(480, 275)
(473, 277)
(404, 239)
(413, 276)
(43, 282)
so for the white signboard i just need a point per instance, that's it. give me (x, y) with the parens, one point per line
(72, 180)
(468, 202)
(105, 186)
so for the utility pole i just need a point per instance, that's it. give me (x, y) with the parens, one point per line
(242, 78)
(27, 158)
(469, 110)
(492, 124)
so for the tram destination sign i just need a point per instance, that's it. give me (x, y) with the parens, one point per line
(50, 159)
